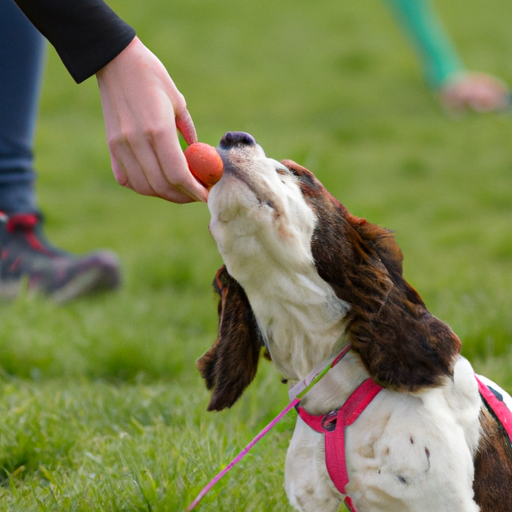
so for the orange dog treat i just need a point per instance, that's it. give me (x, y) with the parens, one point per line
(205, 163)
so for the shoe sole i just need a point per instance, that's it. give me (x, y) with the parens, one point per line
(93, 280)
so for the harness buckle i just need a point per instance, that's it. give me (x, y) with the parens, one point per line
(329, 420)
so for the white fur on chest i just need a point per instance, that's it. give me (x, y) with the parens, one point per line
(405, 453)
(263, 232)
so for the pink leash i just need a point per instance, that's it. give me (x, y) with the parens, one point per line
(296, 394)
(242, 454)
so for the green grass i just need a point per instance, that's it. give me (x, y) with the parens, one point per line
(101, 405)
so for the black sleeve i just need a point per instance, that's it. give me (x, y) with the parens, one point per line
(87, 34)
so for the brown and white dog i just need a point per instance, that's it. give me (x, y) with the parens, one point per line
(304, 278)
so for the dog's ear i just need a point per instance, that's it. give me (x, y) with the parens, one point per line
(403, 345)
(400, 343)
(231, 363)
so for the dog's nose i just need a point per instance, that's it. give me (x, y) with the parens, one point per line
(232, 139)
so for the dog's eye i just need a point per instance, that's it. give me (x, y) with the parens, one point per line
(286, 171)
(291, 170)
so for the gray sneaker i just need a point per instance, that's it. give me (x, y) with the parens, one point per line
(27, 257)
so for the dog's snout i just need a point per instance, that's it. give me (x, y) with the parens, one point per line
(232, 139)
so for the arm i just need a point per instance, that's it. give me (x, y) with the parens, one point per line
(87, 34)
(442, 66)
(142, 107)
(438, 56)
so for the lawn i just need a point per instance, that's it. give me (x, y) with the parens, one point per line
(101, 405)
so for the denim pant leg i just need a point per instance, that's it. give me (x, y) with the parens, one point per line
(22, 51)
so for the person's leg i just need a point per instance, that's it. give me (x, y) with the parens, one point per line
(25, 254)
(21, 61)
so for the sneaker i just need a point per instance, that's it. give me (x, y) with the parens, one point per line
(27, 257)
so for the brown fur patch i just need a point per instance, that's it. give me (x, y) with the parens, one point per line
(493, 466)
(231, 363)
(400, 343)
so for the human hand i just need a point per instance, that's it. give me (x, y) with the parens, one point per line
(143, 112)
(477, 91)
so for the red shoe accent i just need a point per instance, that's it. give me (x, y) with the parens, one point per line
(24, 221)
(27, 222)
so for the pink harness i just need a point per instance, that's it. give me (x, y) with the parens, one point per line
(333, 424)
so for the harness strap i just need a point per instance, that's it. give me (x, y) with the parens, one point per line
(495, 401)
(333, 424)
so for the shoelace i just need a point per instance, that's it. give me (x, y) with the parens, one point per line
(27, 222)
(24, 221)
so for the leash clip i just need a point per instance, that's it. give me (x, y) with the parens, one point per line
(330, 420)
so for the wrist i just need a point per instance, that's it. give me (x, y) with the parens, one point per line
(125, 55)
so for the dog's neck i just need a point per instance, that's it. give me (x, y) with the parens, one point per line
(301, 319)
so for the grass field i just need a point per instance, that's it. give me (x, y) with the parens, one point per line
(101, 406)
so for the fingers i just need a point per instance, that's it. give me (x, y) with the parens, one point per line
(154, 166)
(174, 167)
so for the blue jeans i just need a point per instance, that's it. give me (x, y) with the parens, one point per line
(22, 51)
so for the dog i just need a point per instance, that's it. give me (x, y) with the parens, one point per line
(302, 280)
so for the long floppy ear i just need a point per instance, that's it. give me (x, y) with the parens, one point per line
(231, 363)
(400, 343)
